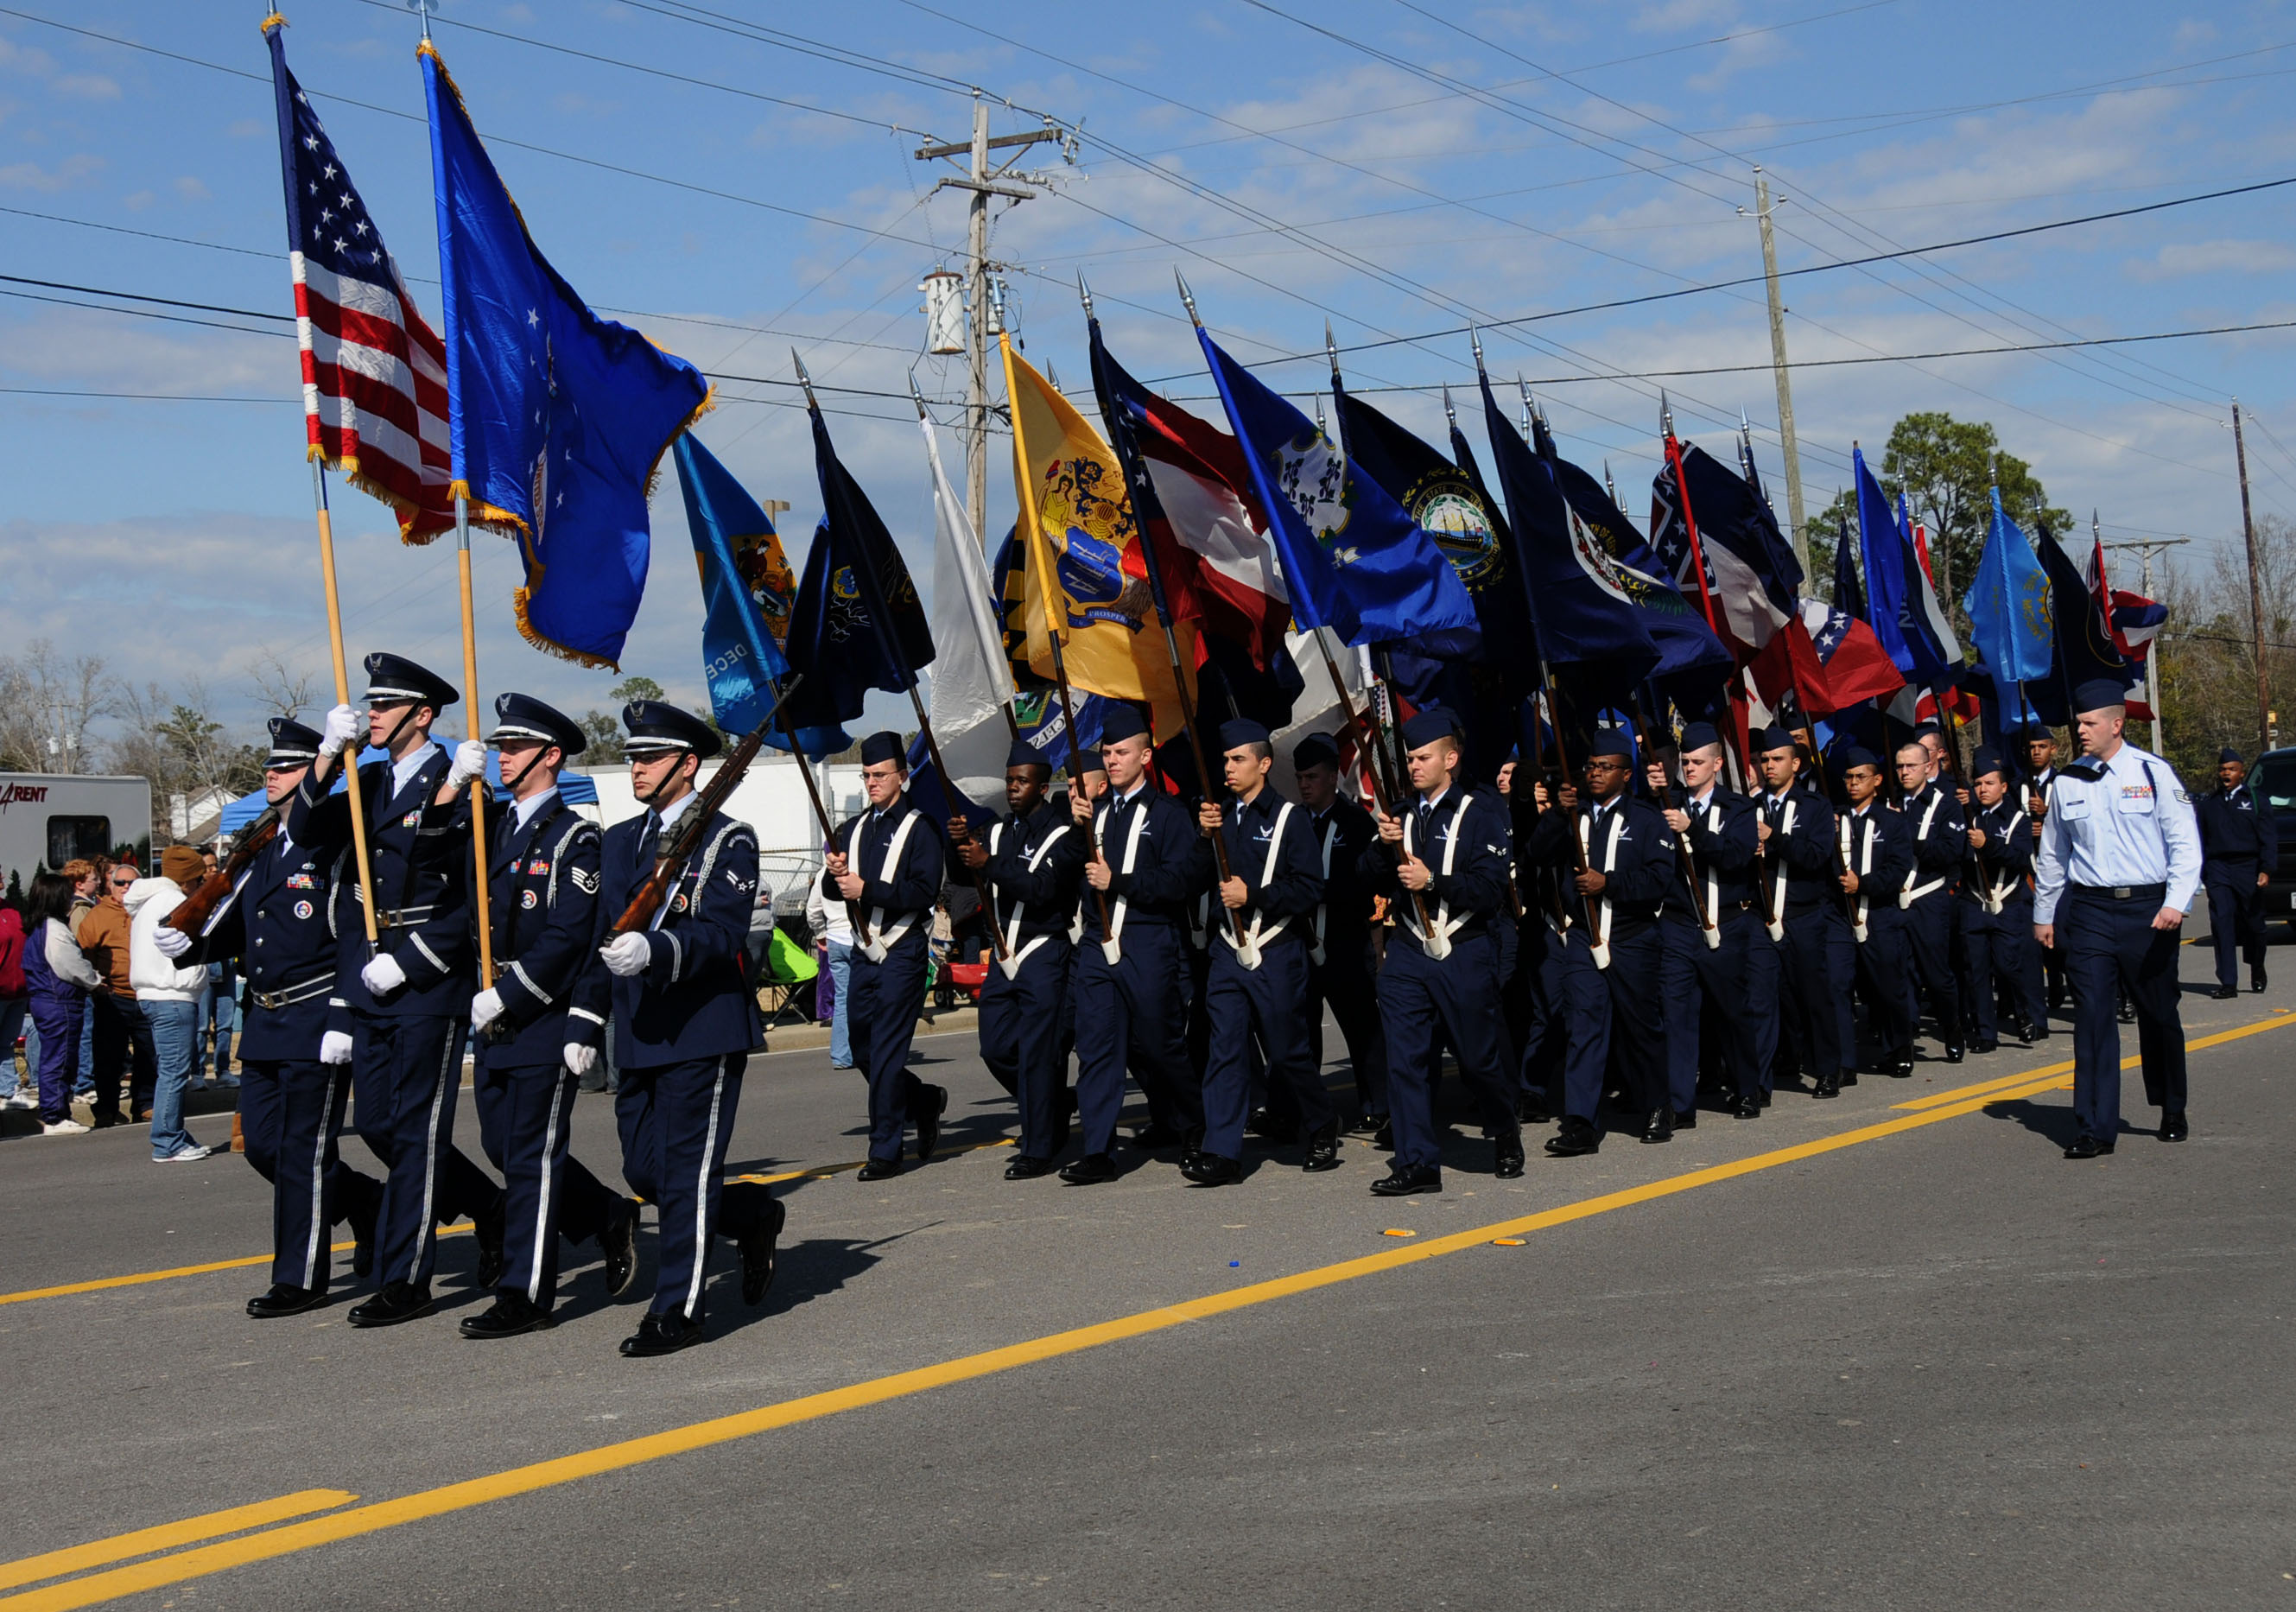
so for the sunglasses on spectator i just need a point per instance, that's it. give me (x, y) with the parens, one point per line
(123, 879)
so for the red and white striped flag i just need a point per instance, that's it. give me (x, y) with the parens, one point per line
(375, 374)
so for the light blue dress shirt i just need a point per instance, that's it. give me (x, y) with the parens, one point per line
(2134, 825)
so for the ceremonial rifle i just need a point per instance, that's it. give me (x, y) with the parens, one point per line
(640, 913)
(194, 912)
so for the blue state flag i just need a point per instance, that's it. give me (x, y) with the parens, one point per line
(2008, 606)
(1879, 540)
(1353, 561)
(557, 417)
(746, 587)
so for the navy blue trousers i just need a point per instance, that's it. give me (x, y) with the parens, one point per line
(1638, 1053)
(2236, 925)
(1928, 926)
(1460, 997)
(2109, 944)
(1272, 1001)
(405, 1075)
(884, 1001)
(1578, 1034)
(1736, 987)
(676, 1121)
(1999, 950)
(290, 1123)
(1682, 1010)
(1881, 981)
(1132, 1015)
(1021, 1041)
(525, 1116)
(1345, 982)
(1813, 995)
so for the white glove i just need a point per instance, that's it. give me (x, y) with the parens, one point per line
(580, 1059)
(486, 1008)
(383, 975)
(335, 1048)
(342, 727)
(171, 943)
(626, 955)
(469, 762)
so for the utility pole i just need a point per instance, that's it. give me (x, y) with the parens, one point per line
(2255, 588)
(1799, 530)
(2145, 549)
(984, 182)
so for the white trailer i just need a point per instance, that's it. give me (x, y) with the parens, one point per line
(47, 818)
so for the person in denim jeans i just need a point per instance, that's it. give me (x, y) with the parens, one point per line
(829, 924)
(218, 1016)
(169, 998)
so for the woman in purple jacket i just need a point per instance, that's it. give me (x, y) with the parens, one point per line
(59, 978)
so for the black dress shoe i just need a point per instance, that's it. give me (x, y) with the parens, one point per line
(1154, 1137)
(1747, 1107)
(1953, 1054)
(1850, 1077)
(1828, 1085)
(1269, 1125)
(1576, 1137)
(1902, 1068)
(1685, 1119)
(1323, 1149)
(397, 1302)
(1530, 1110)
(2224, 993)
(1027, 1167)
(487, 1227)
(2127, 1014)
(661, 1334)
(1213, 1170)
(878, 1170)
(1660, 1126)
(1987, 1044)
(936, 1103)
(2173, 1128)
(759, 1247)
(2086, 1146)
(1408, 1180)
(1763, 1098)
(1506, 1156)
(512, 1314)
(619, 1242)
(283, 1299)
(1089, 1170)
(2256, 979)
(1384, 1136)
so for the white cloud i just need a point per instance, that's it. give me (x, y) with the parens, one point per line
(64, 176)
(87, 86)
(191, 189)
(2179, 258)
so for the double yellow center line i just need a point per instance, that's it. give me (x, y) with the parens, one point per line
(353, 1521)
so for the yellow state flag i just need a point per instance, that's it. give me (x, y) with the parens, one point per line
(1088, 580)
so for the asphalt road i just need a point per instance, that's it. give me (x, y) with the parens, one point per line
(1850, 1354)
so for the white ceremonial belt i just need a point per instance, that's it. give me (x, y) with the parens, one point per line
(1435, 940)
(1915, 893)
(876, 940)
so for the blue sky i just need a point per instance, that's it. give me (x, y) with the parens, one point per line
(1396, 167)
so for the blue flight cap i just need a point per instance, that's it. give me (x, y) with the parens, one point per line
(2228, 754)
(292, 744)
(1087, 760)
(1430, 725)
(656, 724)
(1122, 719)
(1611, 741)
(1986, 760)
(1772, 738)
(1241, 731)
(1698, 735)
(391, 678)
(2099, 694)
(1025, 754)
(883, 745)
(1316, 750)
(522, 716)
(1858, 755)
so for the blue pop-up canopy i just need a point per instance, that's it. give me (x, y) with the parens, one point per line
(574, 788)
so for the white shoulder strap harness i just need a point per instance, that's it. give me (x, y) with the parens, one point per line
(1316, 936)
(1600, 915)
(1863, 904)
(1777, 923)
(1436, 939)
(1996, 890)
(1016, 954)
(876, 939)
(1248, 944)
(1112, 948)
(1915, 893)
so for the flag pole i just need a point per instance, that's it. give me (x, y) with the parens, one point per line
(1130, 463)
(343, 693)
(916, 701)
(1737, 748)
(478, 892)
(1398, 770)
(820, 811)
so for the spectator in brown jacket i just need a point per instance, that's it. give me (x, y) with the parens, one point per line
(123, 1034)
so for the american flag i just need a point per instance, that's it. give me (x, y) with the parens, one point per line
(375, 374)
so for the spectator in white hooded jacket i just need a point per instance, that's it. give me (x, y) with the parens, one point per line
(169, 996)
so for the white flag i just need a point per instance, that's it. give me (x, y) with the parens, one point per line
(971, 677)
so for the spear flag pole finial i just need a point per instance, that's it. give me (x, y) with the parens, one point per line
(1665, 415)
(1332, 351)
(918, 395)
(806, 381)
(1084, 293)
(1187, 300)
(1475, 339)
(1450, 414)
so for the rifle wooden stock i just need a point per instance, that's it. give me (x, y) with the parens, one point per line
(192, 914)
(667, 867)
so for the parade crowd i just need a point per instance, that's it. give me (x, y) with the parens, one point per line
(1597, 952)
